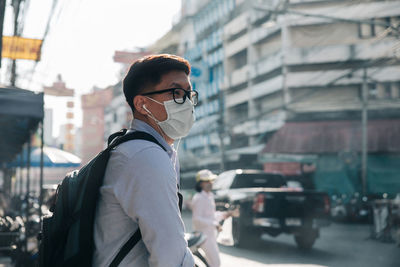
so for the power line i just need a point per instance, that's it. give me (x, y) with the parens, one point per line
(356, 21)
(49, 19)
(329, 84)
(66, 4)
(24, 15)
(17, 8)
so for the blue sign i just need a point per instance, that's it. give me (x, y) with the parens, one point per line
(196, 72)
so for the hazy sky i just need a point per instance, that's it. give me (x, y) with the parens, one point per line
(83, 37)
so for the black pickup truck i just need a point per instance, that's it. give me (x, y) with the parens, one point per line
(263, 203)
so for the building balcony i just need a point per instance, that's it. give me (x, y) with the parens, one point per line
(263, 66)
(354, 11)
(341, 53)
(257, 90)
(266, 65)
(237, 45)
(272, 123)
(237, 98)
(236, 25)
(308, 1)
(331, 105)
(260, 33)
(324, 78)
(237, 77)
(267, 87)
(327, 54)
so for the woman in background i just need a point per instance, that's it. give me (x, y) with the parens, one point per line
(204, 216)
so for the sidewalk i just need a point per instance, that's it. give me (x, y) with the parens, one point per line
(5, 262)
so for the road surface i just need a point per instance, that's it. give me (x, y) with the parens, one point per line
(340, 245)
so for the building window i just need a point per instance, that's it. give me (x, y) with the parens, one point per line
(372, 91)
(366, 30)
(388, 22)
(395, 90)
(395, 22)
(378, 26)
(384, 90)
(387, 90)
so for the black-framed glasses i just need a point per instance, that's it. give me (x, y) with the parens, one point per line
(179, 95)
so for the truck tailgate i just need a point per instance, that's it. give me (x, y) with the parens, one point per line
(295, 205)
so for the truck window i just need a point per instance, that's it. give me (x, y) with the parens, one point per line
(249, 180)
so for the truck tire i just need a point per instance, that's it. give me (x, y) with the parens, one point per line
(306, 239)
(243, 237)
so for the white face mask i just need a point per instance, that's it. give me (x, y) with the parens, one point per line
(180, 118)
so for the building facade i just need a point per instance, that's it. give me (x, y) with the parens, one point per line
(118, 114)
(260, 64)
(48, 127)
(205, 51)
(93, 125)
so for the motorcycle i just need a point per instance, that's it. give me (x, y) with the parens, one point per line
(338, 207)
(195, 240)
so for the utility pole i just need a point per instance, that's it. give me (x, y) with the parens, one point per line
(285, 69)
(16, 6)
(364, 125)
(2, 12)
(252, 58)
(41, 168)
(221, 130)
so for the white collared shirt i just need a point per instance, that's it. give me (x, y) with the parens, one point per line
(204, 215)
(140, 189)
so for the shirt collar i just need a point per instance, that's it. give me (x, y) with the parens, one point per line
(138, 125)
(207, 194)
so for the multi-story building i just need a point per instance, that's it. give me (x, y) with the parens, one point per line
(93, 126)
(78, 142)
(60, 142)
(60, 90)
(205, 51)
(48, 127)
(337, 60)
(117, 114)
(260, 64)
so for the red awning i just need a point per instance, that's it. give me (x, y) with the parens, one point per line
(334, 136)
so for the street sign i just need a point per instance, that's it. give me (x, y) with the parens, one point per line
(16, 47)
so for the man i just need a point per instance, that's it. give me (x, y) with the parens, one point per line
(140, 183)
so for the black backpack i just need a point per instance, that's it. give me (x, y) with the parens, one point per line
(66, 238)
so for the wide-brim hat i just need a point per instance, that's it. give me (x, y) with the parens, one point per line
(205, 176)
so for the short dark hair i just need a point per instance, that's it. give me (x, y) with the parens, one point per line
(198, 187)
(148, 70)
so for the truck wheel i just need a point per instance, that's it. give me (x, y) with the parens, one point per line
(242, 236)
(305, 240)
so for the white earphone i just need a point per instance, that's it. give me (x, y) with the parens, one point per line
(144, 107)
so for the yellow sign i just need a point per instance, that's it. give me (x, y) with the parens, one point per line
(15, 47)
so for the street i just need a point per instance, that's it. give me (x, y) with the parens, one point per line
(339, 245)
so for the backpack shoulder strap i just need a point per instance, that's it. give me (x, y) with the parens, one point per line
(126, 248)
(116, 134)
(132, 136)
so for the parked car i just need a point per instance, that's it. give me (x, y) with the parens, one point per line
(265, 204)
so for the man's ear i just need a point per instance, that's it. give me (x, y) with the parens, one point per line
(138, 102)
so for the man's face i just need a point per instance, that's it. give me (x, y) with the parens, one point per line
(173, 79)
